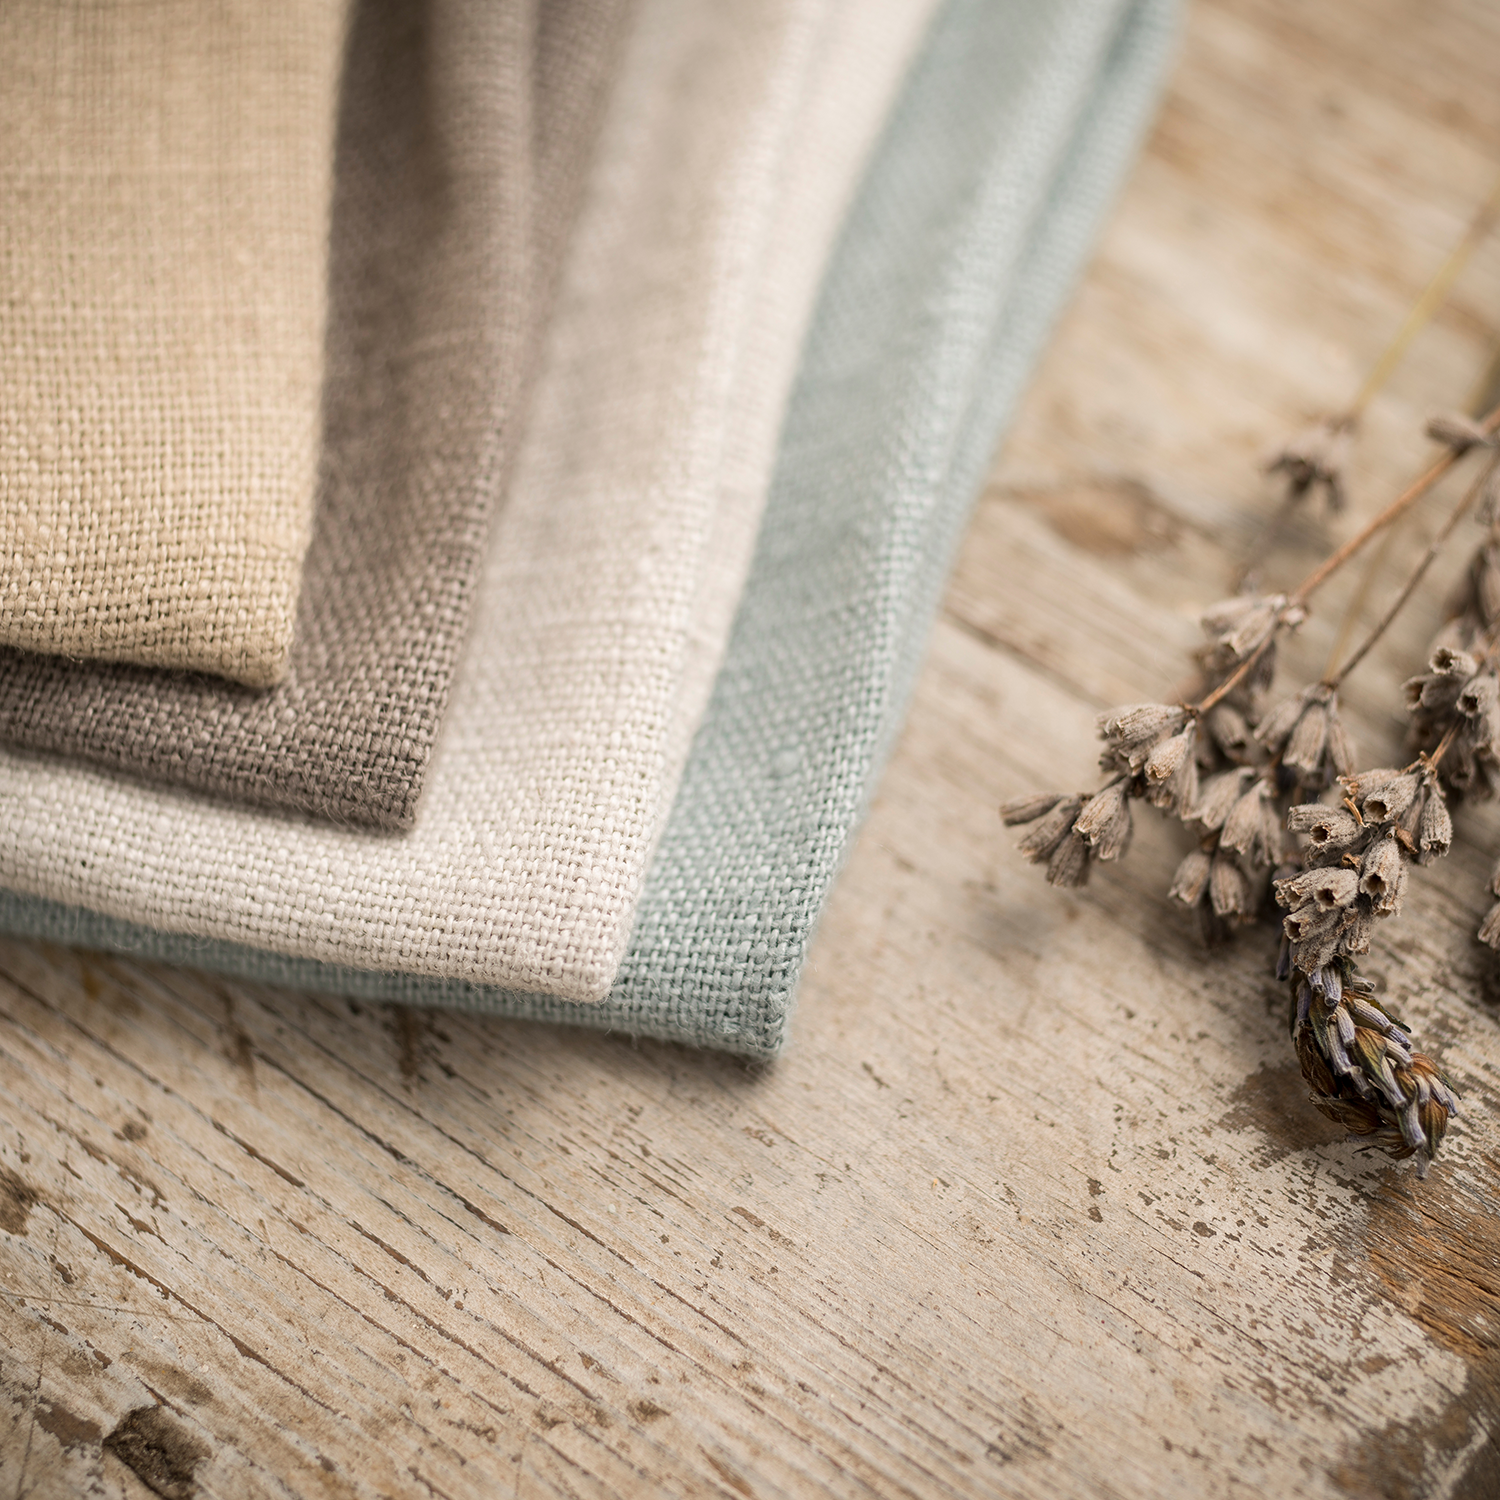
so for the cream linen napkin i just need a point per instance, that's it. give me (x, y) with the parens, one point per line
(165, 173)
(733, 141)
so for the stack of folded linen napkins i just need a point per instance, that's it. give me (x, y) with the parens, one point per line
(474, 479)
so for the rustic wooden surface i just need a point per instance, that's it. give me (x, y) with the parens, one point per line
(1035, 1205)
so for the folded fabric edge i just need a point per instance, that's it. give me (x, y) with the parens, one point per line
(1105, 138)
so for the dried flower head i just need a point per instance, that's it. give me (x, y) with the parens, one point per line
(1237, 628)
(1362, 1064)
(1355, 860)
(1329, 830)
(1053, 819)
(1218, 795)
(1104, 822)
(1131, 735)
(1455, 704)
(1249, 782)
(1307, 734)
(1231, 891)
(1171, 772)
(1459, 432)
(1071, 833)
(1191, 879)
(1230, 735)
(1253, 826)
(1317, 458)
(1029, 808)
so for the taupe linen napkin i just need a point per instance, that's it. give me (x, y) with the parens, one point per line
(453, 189)
(164, 191)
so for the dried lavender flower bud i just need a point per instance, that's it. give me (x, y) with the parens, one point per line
(1458, 432)
(1369, 1049)
(1218, 795)
(1389, 800)
(1450, 663)
(1166, 759)
(1229, 889)
(1222, 619)
(1105, 821)
(1340, 748)
(1436, 1099)
(1479, 695)
(1382, 876)
(1131, 734)
(1272, 834)
(1436, 690)
(1434, 828)
(1029, 808)
(1317, 456)
(1228, 729)
(1069, 865)
(1304, 749)
(1276, 726)
(1314, 935)
(1328, 890)
(1244, 828)
(1192, 878)
(1305, 732)
(1238, 627)
(1354, 935)
(1042, 842)
(1366, 1011)
(1178, 790)
(1328, 828)
(1359, 787)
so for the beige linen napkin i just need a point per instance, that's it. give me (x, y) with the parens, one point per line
(165, 173)
(734, 138)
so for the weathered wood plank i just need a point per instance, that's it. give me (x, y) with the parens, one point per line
(1036, 1205)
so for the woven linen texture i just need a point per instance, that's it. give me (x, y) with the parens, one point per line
(434, 307)
(733, 142)
(961, 248)
(165, 174)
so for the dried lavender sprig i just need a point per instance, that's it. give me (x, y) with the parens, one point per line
(1357, 1057)
(1306, 739)
(1154, 748)
(1243, 634)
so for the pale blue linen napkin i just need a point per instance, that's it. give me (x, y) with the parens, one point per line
(1012, 133)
